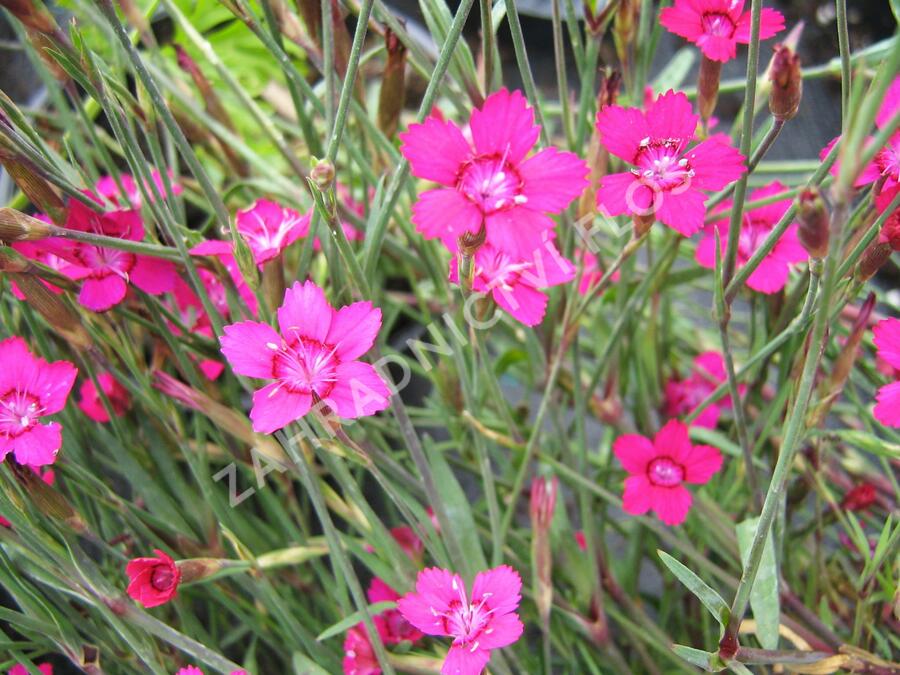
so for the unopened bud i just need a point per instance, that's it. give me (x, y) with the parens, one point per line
(35, 187)
(393, 87)
(596, 23)
(46, 498)
(543, 502)
(197, 569)
(322, 175)
(872, 260)
(625, 29)
(814, 222)
(861, 497)
(542, 506)
(642, 223)
(787, 84)
(54, 309)
(708, 88)
(16, 226)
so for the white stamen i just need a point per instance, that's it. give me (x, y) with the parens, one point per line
(272, 346)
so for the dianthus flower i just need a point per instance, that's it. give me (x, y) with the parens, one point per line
(107, 271)
(153, 581)
(313, 358)
(107, 188)
(718, 26)
(19, 669)
(31, 388)
(391, 625)
(593, 271)
(478, 624)
(887, 343)
(771, 275)
(91, 404)
(487, 181)
(668, 176)
(359, 657)
(514, 282)
(269, 228)
(658, 469)
(682, 396)
(860, 497)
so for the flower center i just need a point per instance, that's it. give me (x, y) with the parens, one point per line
(888, 158)
(19, 412)
(753, 233)
(162, 578)
(659, 163)
(264, 234)
(717, 25)
(105, 261)
(499, 271)
(665, 473)
(465, 621)
(307, 366)
(492, 184)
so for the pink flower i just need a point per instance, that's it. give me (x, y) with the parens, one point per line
(48, 476)
(887, 343)
(668, 177)
(31, 388)
(887, 160)
(772, 273)
(34, 251)
(90, 402)
(514, 282)
(486, 621)
(106, 271)
(488, 180)
(359, 657)
(314, 357)
(408, 541)
(593, 272)
(657, 471)
(153, 581)
(224, 251)
(718, 26)
(269, 228)
(890, 230)
(106, 187)
(189, 670)
(682, 396)
(859, 498)
(19, 669)
(391, 625)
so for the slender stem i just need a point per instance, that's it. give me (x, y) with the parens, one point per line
(766, 143)
(139, 247)
(487, 46)
(515, 29)
(328, 67)
(840, 7)
(559, 53)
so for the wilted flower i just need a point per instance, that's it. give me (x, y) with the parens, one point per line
(313, 358)
(33, 388)
(488, 181)
(861, 497)
(514, 282)
(718, 26)
(486, 621)
(659, 468)
(91, 404)
(771, 275)
(668, 176)
(153, 581)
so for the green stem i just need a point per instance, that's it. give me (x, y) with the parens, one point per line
(840, 7)
(515, 29)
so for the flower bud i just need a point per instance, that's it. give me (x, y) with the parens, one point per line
(708, 88)
(32, 13)
(470, 242)
(197, 569)
(543, 502)
(393, 85)
(54, 309)
(787, 84)
(35, 187)
(873, 259)
(16, 226)
(322, 175)
(625, 30)
(45, 497)
(542, 506)
(814, 223)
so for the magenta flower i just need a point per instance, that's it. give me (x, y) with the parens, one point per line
(391, 625)
(682, 396)
(31, 388)
(34, 251)
(153, 581)
(771, 275)
(107, 188)
(887, 160)
(514, 282)
(668, 176)
(887, 343)
(718, 26)
(486, 621)
(106, 271)
(488, 181)
(313, 359)
(359, 657)
(593, 271)
(657, 471)
(91, 404)
(269, 228)
(19, 669)
(224, 251)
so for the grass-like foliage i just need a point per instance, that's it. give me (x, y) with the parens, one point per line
(332, 341)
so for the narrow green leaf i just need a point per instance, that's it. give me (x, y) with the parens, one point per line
(349, 621)
(676, 70)
(708, 661)
(710, 599)
(764, 595)
(303, 665)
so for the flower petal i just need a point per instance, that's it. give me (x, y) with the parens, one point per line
(353, 330)
(275, 406)
(635, 452)
(715, 164)
(522, 302)
(673, 441)
(39, 445)
(701, 463)
(436, 150)
(250, 348)
(636, 499)
(305, 312)
(622, 130)
(445, 213)
(553, 179)
(500, 586)
(671, 504)
(887, 340)
(519, 231)
(99, 294)
(153, 275)
(504, 126)
(358, 392)
(463, 660)
(683, 212)
(671, 116)
(887, 410)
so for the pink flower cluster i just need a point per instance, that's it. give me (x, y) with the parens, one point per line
(887, 342)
